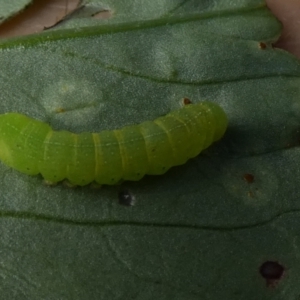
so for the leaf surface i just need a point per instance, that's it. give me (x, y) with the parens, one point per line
(202, 230)
(11, 8)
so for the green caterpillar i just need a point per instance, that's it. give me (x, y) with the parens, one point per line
(32, 147)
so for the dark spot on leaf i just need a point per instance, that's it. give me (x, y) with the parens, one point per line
(272, 271)
(186, 101)
(248, 177)
(250, 194)
(126, 198)
(60, 110)
(262, 45)
(174, 74)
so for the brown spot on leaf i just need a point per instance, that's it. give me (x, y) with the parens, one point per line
(272, 272)
(186, 101)
(60, 110)
(262, 45)
(248, 177)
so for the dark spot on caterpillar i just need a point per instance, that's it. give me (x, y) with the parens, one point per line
(271, 271)
(262, 45)
(248, 177)
(126, 198)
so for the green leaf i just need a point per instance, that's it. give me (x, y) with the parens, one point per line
(202, 230)
(11, 8)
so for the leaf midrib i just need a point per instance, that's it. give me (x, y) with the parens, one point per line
(90, 31)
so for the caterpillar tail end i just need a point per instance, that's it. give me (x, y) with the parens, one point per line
(221, 122)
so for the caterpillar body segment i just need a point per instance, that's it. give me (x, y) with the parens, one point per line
(108, 157)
